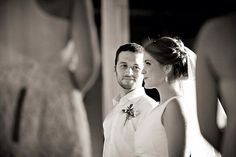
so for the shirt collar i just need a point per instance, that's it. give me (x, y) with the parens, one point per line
(131, 96)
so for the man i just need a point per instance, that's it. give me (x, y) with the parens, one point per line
(131, 105)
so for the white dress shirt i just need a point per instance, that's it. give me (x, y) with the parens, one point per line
(119, 132)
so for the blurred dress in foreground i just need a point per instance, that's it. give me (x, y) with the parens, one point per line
(41, 111)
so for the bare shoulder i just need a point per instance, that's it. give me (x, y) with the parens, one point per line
(174, 124)
(216, 45)
(216, 32)
(173, 112)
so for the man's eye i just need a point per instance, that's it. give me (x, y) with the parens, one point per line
(123, 66)
(137, 68)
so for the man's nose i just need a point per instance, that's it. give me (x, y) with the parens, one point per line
(129, 71)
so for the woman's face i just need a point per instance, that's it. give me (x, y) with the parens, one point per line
(153, 72)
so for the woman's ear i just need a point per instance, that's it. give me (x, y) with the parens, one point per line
(167, 69)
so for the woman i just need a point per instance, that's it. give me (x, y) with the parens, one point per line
(169, 67)
(216, 78)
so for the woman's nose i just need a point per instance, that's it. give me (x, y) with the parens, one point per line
(144, 71)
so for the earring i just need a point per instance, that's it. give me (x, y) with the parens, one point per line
(166, 79)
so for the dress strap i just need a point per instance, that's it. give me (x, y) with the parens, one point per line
(169, 99)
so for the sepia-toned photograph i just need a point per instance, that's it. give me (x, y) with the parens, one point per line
(117, 78)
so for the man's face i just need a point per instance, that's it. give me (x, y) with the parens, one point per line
(128, 70)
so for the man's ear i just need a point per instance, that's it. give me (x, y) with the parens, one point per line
(167, 69)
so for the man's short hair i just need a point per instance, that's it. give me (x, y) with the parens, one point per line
(131, 47)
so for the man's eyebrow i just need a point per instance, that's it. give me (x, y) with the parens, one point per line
(122, 63)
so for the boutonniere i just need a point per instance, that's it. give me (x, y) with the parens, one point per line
(130, 112)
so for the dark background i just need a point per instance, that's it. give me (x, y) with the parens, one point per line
(154, 18)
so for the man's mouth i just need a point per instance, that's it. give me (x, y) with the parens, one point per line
(128, 78)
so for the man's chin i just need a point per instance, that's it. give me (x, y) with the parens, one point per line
(128, 86)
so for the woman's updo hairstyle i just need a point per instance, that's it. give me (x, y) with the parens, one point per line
(170, 51)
